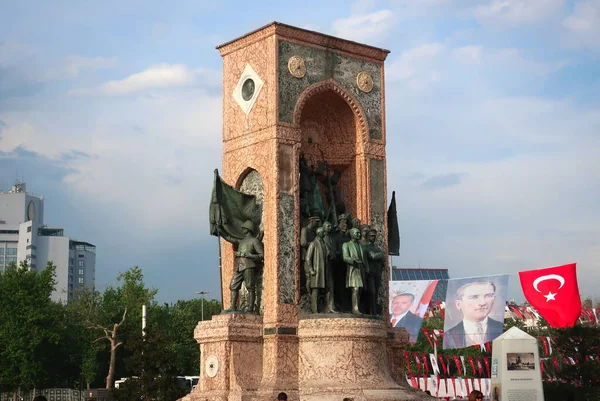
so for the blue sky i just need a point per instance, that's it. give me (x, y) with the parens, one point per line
(112, 111)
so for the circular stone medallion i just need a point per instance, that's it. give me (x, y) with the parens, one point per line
(364, 82)
(211, 366)
(296, 66)
(248, 89)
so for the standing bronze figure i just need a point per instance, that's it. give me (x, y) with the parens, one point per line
(249, 255)
(307, 235)
(316, 258)
(330, 247)
(375, 258)
(354, 258)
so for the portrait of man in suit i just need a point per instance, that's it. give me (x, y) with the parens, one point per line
(475, 301)
(401, 316)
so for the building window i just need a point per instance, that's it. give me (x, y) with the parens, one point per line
(11, 251)
(29, 229)
(1, 251)
(81, 263)
(81, 255)
(10, 260)
(81, 272)
(80, 280)
(2, 261)
(79, 247)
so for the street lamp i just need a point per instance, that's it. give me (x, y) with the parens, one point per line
(202, 293)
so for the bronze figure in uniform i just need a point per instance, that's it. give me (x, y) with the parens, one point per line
(249, 255)
(330, 247)
(375, 259)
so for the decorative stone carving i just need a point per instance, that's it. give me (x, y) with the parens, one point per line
(247, 89)
(364, 81)
(296, 66)
(211, 366)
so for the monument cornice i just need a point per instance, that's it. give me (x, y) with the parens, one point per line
(290, 32)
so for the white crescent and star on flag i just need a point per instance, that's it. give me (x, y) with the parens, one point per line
(550, 296)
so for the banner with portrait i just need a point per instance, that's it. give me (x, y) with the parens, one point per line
(408, 304)
(474, 310)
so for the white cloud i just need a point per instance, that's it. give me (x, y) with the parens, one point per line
(512, 58)
(73, 66)
(583, 25)
(159, 76)
(530, 182)
(417, 67)
(472, 54)
(366, 27)
(144, 153)
(518, 11)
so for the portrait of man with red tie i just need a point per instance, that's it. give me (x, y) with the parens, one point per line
(401, 316)
(476, 314)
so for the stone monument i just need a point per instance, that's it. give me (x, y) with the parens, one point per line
(516, 373)
(303, 131)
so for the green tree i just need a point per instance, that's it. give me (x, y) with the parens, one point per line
(109, 315)
(28, 326)
(179, 320)
(152, 364)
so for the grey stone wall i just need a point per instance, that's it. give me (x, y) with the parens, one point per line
(323, 65)
(377, 182)
(287, 282)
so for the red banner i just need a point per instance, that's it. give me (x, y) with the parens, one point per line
(427, 335)
(441, 358)
(545, 345)
(457, 362)
(486, 361)
(479, 366)
(470, 358)
(417, 360)
(407, 356)
(413, 381)
(425, 363)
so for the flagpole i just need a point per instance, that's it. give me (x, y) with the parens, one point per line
(220, 222)
(220, 264)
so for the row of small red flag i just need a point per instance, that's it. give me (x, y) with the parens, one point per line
(476, 366)
(480, 366)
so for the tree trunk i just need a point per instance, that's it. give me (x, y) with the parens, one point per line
(111, 368)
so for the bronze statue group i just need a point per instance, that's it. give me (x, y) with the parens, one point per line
(343, 263)
(339, 257)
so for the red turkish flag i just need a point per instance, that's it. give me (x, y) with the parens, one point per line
(554, 293)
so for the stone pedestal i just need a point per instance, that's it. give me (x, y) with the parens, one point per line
(348, 358)
(235, 342)
(328, 359)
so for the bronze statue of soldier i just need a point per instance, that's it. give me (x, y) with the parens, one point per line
(355, 273)
(329, 267)
(339, 266)
(249, 255)
(364, 231)
(375, 258)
